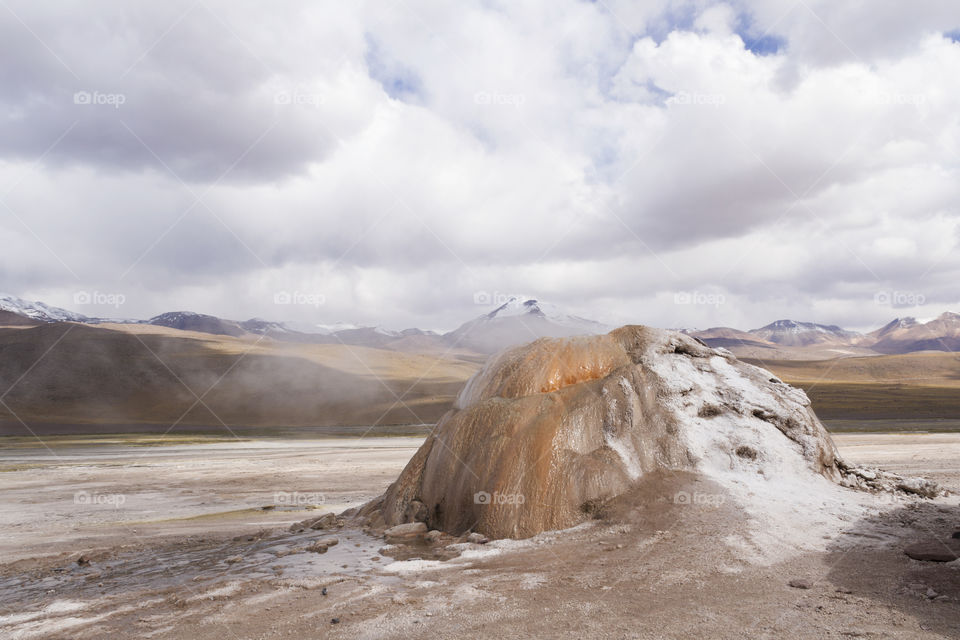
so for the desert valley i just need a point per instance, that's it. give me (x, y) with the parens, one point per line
(545, 319)
(154, 479)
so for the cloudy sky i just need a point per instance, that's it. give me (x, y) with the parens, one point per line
(408, 163)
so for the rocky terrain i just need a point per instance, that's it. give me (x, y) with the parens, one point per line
(632, 485)
(202, 559)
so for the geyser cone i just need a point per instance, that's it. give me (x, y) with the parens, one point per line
(546, 433)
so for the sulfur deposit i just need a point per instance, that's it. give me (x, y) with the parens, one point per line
(547, 433)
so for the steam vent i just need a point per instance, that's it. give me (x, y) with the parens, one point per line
(547, 431)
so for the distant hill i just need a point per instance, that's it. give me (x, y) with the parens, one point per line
(521, 319)
(11, 319)
(146, 374)
(189, 321)
(790, 333)
(907, 335)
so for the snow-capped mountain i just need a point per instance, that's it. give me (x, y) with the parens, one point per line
(263, 327)
(790, 333)
(190, 321)
(320, 328)
(907, 335)
(521, 319)
(894, 327)
(530, 307)
(39, 311)
(517, 321)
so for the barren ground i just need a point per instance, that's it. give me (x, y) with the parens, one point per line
(176, 545)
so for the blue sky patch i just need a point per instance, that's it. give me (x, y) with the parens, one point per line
(400, 82)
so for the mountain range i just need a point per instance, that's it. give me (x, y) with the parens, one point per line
(63, 372)
(522, 319)
(517, 321)
(789, 339)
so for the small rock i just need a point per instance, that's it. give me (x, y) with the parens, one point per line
(931, 593)
(326, 521)
(233, 559)
(433, 536)
(920, 486)
(318, 547)
(334, 620)
(409, 530)
(324, 591)
(956, 535)
(83, 561)
(799, 583)
(477, 538)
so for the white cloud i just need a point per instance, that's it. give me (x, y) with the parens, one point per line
(398, 159)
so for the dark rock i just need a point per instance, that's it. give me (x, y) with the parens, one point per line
(334, 620)
(934, 551)
(799, 583)
(956, 535)
(746, 452)
(709, 411)
(324, 592)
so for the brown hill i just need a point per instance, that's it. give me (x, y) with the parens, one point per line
(909, 386)
(907, 335)
(11, 319)
(131, 374)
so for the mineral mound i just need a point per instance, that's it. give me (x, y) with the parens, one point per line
(545, 434)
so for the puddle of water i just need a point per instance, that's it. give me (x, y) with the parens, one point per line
(197, 568)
